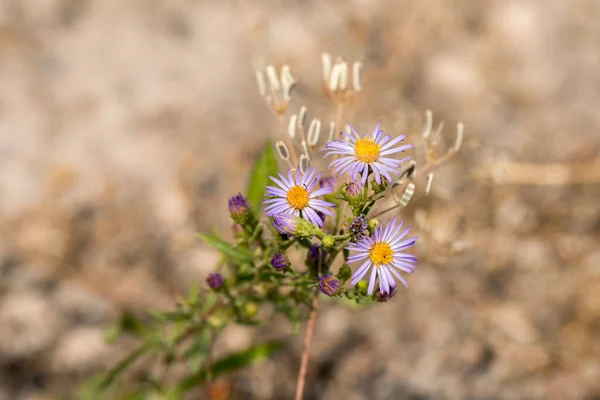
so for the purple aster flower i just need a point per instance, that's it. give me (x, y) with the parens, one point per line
(327, 182)
(383, 252)
(214, 280)
(383, 297)
(360, 154)
(295, 196)
(285, 223)
(238, 206)
(279, 261)
(315, 256)
(328, 285)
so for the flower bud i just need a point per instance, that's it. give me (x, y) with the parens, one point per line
(328, 285)
(373, 223)
(239, 209)
(315, 256)
(379, 187)
(214, 280)
(383, 297)
(328, 242)
(279, 262)
(250, 309)
(353, 189)
(361, 286)
(357, 227)
(344, 272)
(327, 182)
(285, 224)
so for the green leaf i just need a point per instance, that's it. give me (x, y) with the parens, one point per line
(123, 364)
(264, 166)
(227, 364)
(236, 253)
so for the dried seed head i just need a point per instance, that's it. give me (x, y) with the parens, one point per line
(260, 80)
(459, 136)
(326, 62)
(287, 91)
(334, 78)
(304, 163)
(305, 148)
(301, 117)
(429, 181)
(428, 124)
(273, 78)
(331, 131)
(292, 126)
(282, 150)
(313, 132)
(288, 82)
(343, 75)
(357, 76)
(407, 195)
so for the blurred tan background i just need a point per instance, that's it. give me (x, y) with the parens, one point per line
(125, 125)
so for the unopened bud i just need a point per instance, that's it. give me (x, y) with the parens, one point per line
(373, 223)
(328, 242)
(344, 272)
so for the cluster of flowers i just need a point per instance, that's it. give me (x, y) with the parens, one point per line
(300, 203)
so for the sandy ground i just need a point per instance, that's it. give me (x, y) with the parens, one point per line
(124, 127)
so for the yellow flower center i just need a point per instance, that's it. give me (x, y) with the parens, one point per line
(381, 253)
(366, 150)
(297, 197)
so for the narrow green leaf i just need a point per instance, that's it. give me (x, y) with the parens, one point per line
(227, 364)
(236, 253)
(123, 364)
(264, 166)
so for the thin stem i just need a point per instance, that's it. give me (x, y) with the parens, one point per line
(307, 339)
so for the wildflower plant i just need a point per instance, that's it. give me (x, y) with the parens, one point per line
(329, 214)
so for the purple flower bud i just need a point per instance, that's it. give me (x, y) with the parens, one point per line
(383, 297)
(327, 182)
(353, 189)
(214, 280)
(315, 256)
(328, 285)
(279, 261)
(285, 224)
(321, 215)
(239, 207)
(357, 227)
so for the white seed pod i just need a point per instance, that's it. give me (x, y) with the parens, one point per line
(331, 131)
(282, 150)
(305, 149)
(304, 163)
(287, 90)
(292, 126)
(429, 182)
(273, 78)
(313, 132)
(286, 75)
(459, 136)
(428, 124)
(343, 75)
(260, 80)
(334, 78)
(302, 117)
(407, 195)
(357, 76)
(326, 62)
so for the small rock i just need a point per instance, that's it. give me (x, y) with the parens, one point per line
(512, 321)
(80, 350)
(28, 324)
